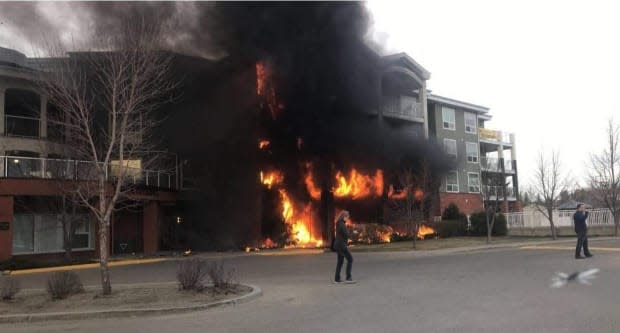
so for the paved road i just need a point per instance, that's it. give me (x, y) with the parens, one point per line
(503, 290)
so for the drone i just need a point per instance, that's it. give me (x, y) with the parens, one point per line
(560, 279)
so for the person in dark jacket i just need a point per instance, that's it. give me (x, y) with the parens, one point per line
(340, 246)
(581, 228)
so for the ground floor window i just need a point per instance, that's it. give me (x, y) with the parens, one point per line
(43, 233)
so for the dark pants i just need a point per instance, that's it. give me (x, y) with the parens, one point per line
(582, 241)
(344, 253)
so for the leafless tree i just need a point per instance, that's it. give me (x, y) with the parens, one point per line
(549, 181)
(494, 194)
(108, 101)
(420, 187)
(604, 174)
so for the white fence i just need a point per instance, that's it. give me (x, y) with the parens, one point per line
(535, 219)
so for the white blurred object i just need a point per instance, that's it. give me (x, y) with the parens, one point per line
(561, 279)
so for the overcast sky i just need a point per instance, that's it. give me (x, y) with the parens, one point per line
(549, 70)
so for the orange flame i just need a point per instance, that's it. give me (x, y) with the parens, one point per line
(355, 186)
(270, 179)
(424, 230)
(265, 88)
(300, 223)
(418, 194)
(268, 244)
(261, 76)
(358, 185)
(313, 190)
(262, 144)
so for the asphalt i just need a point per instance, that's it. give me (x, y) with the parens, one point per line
(493, 290)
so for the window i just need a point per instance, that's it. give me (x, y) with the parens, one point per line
(449, 147)
(22, 113)
(42, 233)
(448, 118)
(452, 181)
(23, 233)
(472, 152)
(473, 182)
(470, 123)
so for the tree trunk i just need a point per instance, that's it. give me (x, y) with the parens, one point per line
(104, 230)
(67, 231)
(415, 234)
(553, 233)
(616, 223)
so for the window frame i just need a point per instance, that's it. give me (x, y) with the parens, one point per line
(469, 185)
(477, 160)
(453, 188)
(451, 125)
(456, 147)
(475, 123)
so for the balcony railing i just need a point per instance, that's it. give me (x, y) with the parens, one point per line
(494, 136)
(498, 192)
(21, 126)
(66, 169)
(492, 164)
(403, 107)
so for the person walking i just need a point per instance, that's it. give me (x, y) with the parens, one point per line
(581, 229)
(340, 246)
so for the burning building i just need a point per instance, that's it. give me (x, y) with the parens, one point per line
(298, 118)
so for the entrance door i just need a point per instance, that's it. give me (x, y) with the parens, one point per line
(128, 233)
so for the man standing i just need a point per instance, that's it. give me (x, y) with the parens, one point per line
(581, 228)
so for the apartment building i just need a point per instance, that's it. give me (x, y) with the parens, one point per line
(480, 154)
(34, 161)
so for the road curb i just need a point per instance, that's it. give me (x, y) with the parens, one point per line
(25, 318)
(481, 248)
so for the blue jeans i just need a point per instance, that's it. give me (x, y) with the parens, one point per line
(342, 254)
(582, 241)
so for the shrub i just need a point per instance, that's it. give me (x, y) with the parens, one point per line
(450, 228)
(452, 212)
(9, 287)
(62, 284)
(191, 274)
(223, 280)
(479, 225)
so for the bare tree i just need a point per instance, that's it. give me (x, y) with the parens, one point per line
(604, 174)
(494, 195)
(549, 182)
(419, 188)
(108, 101)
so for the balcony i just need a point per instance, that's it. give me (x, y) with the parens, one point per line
(497, 192)
(491, 164)
(66, 169)
(402, 107)
(495, 137)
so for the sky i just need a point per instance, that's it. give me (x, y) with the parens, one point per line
(548, 70)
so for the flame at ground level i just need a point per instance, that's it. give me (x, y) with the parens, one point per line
(424, 231)
(300, 222)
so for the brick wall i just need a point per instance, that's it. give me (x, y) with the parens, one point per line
(468, 203)
(6, 236)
